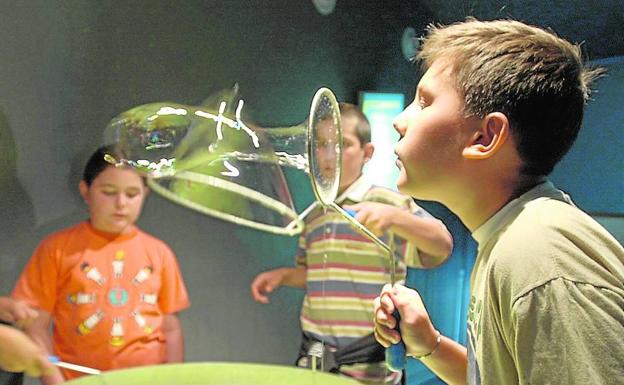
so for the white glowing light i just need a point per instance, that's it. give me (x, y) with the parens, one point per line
(171, 111)
(238, 124)
(233, 171)
(220, 120)
(242, 125)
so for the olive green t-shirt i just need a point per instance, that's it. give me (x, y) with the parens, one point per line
(547, 296)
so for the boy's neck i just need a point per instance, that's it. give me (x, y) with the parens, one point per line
(476, 208)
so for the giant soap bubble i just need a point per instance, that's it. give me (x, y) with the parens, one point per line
(209, 159)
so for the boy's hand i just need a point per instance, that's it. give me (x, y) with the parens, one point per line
(417, 331)
(18, 353)
(265, 283)
(16, 312)
(375, 216)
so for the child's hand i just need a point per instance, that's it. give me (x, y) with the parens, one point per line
(265, 283)
(375, 216)
(18, 353)
(16, 312)
(417, 331)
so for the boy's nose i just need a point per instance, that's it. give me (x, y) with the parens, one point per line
(399, 124)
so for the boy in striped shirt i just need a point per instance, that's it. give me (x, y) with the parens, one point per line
(342, 271)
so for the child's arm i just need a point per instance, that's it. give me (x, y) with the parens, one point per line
(267, 281)
(429, 235)
(16, 312)
(38, 330)
(174, 338)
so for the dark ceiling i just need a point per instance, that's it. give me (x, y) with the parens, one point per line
(597, 23)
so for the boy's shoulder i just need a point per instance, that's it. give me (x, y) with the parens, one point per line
(389, 196)
(552, 239)
(546, 220)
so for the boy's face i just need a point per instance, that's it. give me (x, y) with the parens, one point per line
(115, 199)
(433, 134)
(354, 154)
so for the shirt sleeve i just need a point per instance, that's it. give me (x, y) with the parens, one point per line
(566, 332)
(37, 284)
(173, 296)
(408, 250)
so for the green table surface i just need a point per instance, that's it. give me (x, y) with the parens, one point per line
(213, 373)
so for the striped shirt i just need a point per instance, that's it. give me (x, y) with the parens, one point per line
(346, 271)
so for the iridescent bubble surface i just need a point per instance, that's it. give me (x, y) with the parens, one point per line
(209, 159)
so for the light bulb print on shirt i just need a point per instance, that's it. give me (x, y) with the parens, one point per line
(93, 273)
(119, 293)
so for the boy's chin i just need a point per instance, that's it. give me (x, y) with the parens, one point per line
(402, 184)
(406, 188)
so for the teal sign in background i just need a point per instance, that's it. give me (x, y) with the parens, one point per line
(381, 108)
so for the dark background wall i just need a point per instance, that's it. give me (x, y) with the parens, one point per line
(68, 67)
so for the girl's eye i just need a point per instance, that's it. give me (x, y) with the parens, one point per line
(132, 193)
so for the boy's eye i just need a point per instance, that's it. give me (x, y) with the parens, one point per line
(109, 192)
(347, 143)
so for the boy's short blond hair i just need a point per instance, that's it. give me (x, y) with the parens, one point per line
(537, 79)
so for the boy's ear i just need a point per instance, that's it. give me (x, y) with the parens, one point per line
(489, 138)
(369, 149)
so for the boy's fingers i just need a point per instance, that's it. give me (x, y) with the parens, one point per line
(7, 316)
(386, 336)
(381, 339)
(24, 315)
(382, 318)
(387, 303)
(355, 207)
(258, 297)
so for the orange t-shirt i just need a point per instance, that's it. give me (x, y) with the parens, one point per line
(107, 295)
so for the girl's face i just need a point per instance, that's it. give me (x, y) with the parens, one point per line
(115, 199)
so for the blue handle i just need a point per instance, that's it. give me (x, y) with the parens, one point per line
(395, 354)
(53, 359)
(350, 212)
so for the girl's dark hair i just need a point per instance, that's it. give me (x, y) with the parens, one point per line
(97, 163)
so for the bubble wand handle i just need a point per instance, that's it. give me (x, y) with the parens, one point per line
(396, 353)
(78, 368)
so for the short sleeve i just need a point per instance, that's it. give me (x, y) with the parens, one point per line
(37, 284)
(566, 332)
(173, 296)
